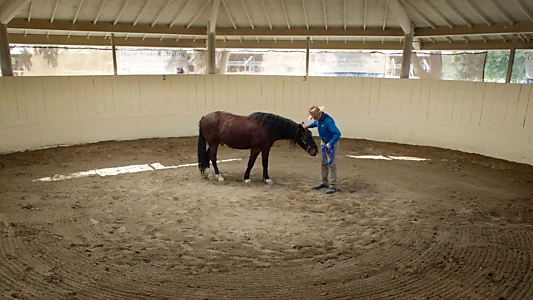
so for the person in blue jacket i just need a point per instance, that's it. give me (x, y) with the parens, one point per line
(329, 135)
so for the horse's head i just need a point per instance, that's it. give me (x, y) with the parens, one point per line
(304, 138)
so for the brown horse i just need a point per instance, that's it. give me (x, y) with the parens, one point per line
(257, 131)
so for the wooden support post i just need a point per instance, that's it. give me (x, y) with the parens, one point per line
(5, 54)
(511, 60)
(211, 52)
(406, 55)
(307, 57)
(114, 54)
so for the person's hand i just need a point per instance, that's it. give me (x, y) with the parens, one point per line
(304, 125)
(328, 145)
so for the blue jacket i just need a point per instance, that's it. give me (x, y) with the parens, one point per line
(327, 130)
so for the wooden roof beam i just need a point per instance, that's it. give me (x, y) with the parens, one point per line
(54, 12)
(141, 12)
(100, 11)
(247, 14)
(77, 12)
(161, 11)
(438, 13)
(285, 14)
(10, 9)
(457, 13)
(266, 13)
(29, 12)
(214, 15)
(502, 12)
(33, 39)
(312, 32)
(305, 15)
(343, 15)
(476, 45)
(60, 25)
(325, 15)
(401, 16)
(198, 13)
(37, 39)
(481, 29)
(478, 12)
(420, 15)
(364, 13)
(124, 5)
(523, 9)
(232, 20)
(181, 10)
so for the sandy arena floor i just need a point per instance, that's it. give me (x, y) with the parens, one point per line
(456, 226)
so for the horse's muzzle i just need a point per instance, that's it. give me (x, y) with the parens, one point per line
(312, 151)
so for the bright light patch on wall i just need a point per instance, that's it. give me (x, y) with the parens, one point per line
(388, 157)
(122, 170)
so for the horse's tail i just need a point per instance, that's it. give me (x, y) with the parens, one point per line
(203, 158)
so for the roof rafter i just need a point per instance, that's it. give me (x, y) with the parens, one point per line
(214, 15)
(502, 12)
(232, 20)
(266, 14)
(77, 12)
(420, 15)
(100, 11)
(181, 10)
(344, 14)
(524, 9)
(121, 11)
(10, 9)
(478, 12)
(438, 13)
(364, 13)
(285, 14)
(54, 12)
(29, 12)
(325, 14)
(163, 9)
(457, 13)
(401, 16)
(198, 13)
(305, 15)
(247, 14)
(384, 17)
(141, 12)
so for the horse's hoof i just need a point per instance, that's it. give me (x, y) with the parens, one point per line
(247, 181)
(269, 181)
(206, 172)
(220, 178)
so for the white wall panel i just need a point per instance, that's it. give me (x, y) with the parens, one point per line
(487, 118)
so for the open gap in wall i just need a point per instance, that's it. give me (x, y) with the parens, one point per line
(488, 66)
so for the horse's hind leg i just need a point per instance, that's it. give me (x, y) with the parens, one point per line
(206, 163)
(213, 149)
(251, 161)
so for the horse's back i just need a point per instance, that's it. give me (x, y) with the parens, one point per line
(236, 131)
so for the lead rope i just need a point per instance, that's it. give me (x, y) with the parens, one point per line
(327, 152)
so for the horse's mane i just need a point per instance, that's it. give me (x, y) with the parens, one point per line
(285, 128)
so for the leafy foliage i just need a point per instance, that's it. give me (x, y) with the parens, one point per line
(496, 66)
(50, 55)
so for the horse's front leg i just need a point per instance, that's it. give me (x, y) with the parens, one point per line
(251, 161)
(264, 156)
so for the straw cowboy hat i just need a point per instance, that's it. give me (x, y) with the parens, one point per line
(315, 111)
